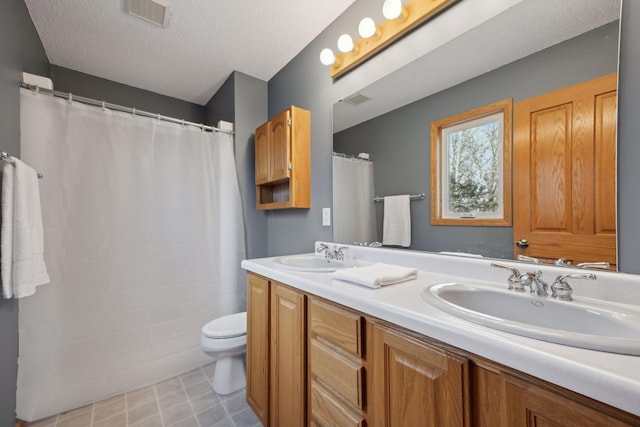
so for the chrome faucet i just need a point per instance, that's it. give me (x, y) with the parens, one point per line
(323, 248)
(336, 253)
(514, 279)
(535, 283)
(561, 288)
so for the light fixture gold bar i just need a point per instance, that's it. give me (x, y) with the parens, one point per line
(415, 13)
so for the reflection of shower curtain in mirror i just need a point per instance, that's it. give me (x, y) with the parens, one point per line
(354, 215)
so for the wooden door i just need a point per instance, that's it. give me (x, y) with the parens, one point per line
(280, 146)
(258, 346)
(564, 173)
(288, 357)
(262, 154)
(415, 384)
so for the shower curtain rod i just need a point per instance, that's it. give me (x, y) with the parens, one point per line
(350, 156)
(115, 107)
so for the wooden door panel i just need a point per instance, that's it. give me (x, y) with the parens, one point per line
(605, 134)
(416, 384)
(262, 154)
(280, 146)
(258, 346)
(564, 173)
(550, 158)
(288, 358)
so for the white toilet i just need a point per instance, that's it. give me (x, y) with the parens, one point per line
(225, 338)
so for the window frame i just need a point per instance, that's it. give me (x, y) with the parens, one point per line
(438, 147)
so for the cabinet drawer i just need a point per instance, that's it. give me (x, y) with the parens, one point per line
(327, 411)
(337, 326)
(343, 376)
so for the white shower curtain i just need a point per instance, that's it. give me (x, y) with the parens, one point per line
(354, 215)
(143, 240)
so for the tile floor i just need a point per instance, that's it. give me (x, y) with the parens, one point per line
(183, 401)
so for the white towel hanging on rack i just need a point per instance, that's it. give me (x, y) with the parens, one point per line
(21, 236)
(397, 221)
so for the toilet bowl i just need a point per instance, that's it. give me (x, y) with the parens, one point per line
(225, 338)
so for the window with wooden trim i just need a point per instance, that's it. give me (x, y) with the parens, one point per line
(471, 167)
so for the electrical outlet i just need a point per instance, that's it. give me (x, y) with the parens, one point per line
(326, 217)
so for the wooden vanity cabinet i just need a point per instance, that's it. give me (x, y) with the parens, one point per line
(507, 398)
(416, 383)
(313, 362)
(276, 352)
(336, 368)
(283, 161)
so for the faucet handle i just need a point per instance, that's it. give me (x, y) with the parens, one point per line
(603, 265)
(339, 252)
(561, 288)
(529, 259)
(514, 279)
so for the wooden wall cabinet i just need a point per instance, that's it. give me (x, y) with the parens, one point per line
(283, 161)
(276, 352)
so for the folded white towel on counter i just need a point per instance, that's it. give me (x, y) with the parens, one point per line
(376, 275)
(22, 242)
(396, 228)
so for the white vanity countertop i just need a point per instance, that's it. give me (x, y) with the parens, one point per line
(610, 378)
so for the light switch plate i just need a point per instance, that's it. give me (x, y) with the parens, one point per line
(326, 217)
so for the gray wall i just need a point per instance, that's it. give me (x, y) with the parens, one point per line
(399, 141)
(221, 106)
(628, 144)
(89, 86)
(250, 112)
(20, 50)
(242, 99)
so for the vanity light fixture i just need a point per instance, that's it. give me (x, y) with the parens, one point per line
(399, 21)
(392, 9)
(367, 28)
(345, 43)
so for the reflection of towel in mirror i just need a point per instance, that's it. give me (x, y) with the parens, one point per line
(376, 275)
(23, 267)
(397, 221)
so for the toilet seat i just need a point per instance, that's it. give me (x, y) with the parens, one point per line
(232, 325)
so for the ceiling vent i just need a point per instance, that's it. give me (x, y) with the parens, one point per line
(356, 99)
(155, 11)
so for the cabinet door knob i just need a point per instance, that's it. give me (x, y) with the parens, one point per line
(522, 243)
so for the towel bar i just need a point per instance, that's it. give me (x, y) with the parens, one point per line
(411, 197)
(4, 156)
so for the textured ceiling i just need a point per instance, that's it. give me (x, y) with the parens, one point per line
(205, 42)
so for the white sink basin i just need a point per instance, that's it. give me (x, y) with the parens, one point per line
(593, 325)
(310, 263)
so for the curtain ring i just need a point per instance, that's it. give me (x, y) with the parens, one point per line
(104, 108)
(70, 99)
(159, 117)
(182, 122)
(134, 112)
(36, 90)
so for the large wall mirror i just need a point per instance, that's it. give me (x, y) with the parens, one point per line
(533, 48)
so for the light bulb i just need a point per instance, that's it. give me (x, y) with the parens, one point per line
(345, 43)
(392, 9)
(367, 28)
(327, 57)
